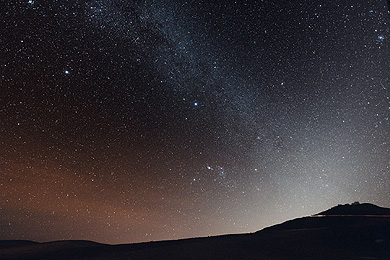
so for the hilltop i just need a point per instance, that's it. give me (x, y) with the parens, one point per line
(364, 209)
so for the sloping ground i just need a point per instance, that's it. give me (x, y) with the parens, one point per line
(330, 222)
(329, 237)
(15, 243)
(368, 241)
(364, 236)
(15, 249)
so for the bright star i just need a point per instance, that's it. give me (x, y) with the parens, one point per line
(66, 72)
(196, 103)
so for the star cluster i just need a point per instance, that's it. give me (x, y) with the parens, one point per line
(129, 121)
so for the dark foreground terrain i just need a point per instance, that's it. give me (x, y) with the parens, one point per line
(344, 232)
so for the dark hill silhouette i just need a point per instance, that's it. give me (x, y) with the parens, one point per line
(340, 216)
(321, 236)
(16, 243)
(356, 209)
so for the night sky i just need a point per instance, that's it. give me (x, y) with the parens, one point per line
(129, 121)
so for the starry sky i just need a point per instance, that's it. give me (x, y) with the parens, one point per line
(130, 121)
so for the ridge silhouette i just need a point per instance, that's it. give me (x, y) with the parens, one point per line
(342, 232)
